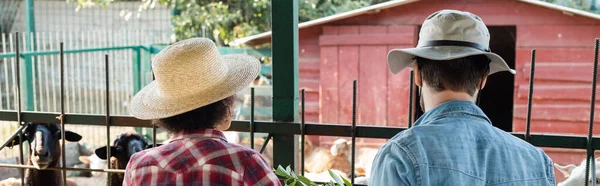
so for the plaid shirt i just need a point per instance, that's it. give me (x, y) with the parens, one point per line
(200, 158)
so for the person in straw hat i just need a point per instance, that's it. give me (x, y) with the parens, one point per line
(193, 99)
(454, 142)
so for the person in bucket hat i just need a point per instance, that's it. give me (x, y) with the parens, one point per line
(193, 99)
(454, 142)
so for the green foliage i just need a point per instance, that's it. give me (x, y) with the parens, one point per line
(292, 179)
(585, 5)
(227, 20)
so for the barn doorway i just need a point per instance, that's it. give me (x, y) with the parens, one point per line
(497, 97)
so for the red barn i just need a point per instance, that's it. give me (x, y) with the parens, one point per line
(338, 49)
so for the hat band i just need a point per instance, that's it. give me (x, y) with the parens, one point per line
(455, 43)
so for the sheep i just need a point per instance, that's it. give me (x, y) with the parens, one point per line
(364, 158)
(576, 174)
(123, 148)
(45, 152)
(320, 160)
(94, 162)
(74, 152)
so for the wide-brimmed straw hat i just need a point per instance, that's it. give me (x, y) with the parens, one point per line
(191, 74)
(447, 35)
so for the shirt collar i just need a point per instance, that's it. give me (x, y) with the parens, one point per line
(200, 134)
(452, 106)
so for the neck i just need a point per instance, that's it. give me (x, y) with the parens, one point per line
(43, 177)
(433, 99)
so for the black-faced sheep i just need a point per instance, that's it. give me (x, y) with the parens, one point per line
(44, 143)
(123, 148)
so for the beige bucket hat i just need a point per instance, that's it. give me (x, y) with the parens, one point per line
(447, 35)
(191, 74)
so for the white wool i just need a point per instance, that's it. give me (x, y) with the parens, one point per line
(97, 163)
(576, 174)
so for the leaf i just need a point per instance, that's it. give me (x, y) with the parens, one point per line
(336, 177)
(281, 172)
(347, 182)
(304, 180)
(294, 183)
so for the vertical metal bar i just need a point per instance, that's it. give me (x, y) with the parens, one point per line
(530, 97)
(411, 91)
(62, 113)
(352, 172)
(5, 61)
(302, 128)
(285, 77)
(26, 77)
(590, 151)
(107, 118)
(252, 118)
(19, 119)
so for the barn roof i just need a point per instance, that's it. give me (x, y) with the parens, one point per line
(394, 3)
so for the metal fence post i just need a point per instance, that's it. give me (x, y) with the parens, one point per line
(285, 76)
(137, 79)
(27, 76)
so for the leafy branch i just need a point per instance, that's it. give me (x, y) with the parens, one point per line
(292, 179)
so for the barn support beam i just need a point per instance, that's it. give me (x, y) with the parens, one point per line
(285, 77)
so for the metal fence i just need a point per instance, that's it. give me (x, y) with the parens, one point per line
(286, 126)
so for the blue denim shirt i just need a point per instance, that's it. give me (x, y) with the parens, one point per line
(456, 144)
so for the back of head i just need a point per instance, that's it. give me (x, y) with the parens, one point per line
(458, 75)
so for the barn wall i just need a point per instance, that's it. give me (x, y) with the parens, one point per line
(358, 52)
(309, 60)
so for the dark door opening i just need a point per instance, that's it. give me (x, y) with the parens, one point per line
(497, 96)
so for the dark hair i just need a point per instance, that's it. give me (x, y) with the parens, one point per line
(460, 75)
(205, 117)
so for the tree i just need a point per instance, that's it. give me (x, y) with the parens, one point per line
(227, 20)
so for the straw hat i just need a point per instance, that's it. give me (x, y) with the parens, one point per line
(447, 35)
(191, 74)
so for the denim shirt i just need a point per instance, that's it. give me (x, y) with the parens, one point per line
(456, 144)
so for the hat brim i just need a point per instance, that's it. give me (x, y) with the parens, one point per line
(150, 104)
(398, 59)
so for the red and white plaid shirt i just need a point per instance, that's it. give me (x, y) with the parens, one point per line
(200, 158)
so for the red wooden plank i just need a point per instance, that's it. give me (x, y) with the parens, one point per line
(329, 99)
(311, 85)
(372, 39)
(492, 13)
(410, 30)
(574, 72)
(310, 64)
(348, 30)
(397, 96)
(310, 50)
(330, 30)
(572, 112)
(557, 35)
(555, 127)
(372, 86)
(372, 29)
(310, 35)
(348, 73)
(523, 55)
(402, 29)
(558, 92)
